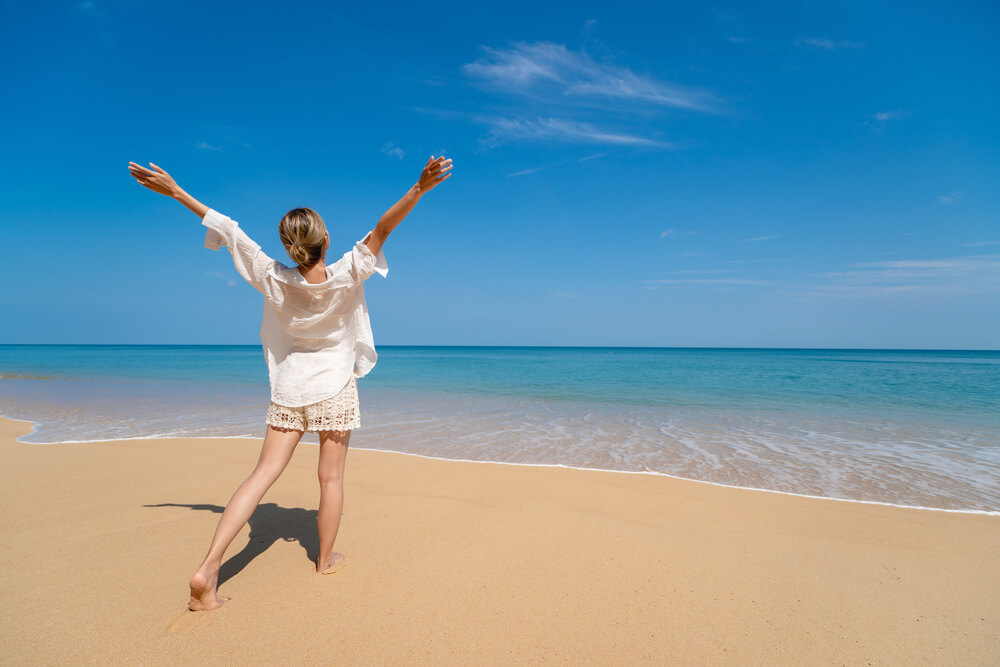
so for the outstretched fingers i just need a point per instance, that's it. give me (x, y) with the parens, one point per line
(441, 169)
(133, 167)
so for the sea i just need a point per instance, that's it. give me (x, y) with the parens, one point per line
(914, 428)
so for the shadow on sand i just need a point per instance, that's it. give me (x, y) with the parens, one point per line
(268, 524)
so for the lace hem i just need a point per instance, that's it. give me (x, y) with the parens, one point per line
(340, 413)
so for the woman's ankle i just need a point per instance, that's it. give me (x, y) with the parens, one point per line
(209, 567)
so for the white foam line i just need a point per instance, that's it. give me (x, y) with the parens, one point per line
(164, 436)
(536, 465)
(688, 479)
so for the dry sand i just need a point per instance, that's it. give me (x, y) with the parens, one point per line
(453, 562)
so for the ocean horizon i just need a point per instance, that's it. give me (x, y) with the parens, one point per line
(906, 427)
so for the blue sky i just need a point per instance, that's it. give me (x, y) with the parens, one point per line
(757, 174)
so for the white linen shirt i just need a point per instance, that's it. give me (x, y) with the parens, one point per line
(315, 336)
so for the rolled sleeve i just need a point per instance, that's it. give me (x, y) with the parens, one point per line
(250, 261)
(218, 229)
(366, 263)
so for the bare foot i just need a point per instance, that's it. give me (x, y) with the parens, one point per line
(335, 563)
(203, 592)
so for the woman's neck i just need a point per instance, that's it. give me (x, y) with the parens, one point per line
(315, 273)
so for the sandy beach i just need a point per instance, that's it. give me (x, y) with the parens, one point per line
(458, 563)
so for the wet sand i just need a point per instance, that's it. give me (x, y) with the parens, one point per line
(458, 563)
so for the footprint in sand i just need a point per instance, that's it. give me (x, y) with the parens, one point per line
(189, 620)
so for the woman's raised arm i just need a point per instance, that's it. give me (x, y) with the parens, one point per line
(434, 172)
(161, 182)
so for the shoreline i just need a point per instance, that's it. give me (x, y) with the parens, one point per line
(541, 347)
(509, 463)
(455, 563)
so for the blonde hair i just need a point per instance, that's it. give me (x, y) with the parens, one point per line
(303, 232)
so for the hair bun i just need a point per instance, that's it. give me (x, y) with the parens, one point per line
(303, 232)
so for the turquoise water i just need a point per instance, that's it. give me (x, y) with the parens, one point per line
(905, 427)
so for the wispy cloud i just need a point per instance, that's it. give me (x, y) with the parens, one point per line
(828, 44)
(559, 130)
(980, 244)
(705, 282)
(591, 157)
(391, 149)
(220, 138)
(975, 274)
(949, 199)
(525, 172)
(756, 239)
(532, 170)
(699, 272)
(757, 260)
(552, 93)
(738, 40)
(226, 278)
(892, 115)
(551, 72)
(674, 232)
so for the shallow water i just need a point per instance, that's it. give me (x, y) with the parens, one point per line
(919, 428)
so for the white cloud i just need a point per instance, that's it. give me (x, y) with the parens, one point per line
(557, 129)
(591, 157)
(980, 244)
(525, 172)
(755, 239)
(892, 115)
(553, 93)
(532, 170)
(829, 44)
(975, 274)
(390, 149)
(225, 277)
(757, 260)
(948, 199)
(551, 72)
(699, 272)
(666, 232)
(705, 282)
(205, 146)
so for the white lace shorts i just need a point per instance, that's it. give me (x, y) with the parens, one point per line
(340, 413)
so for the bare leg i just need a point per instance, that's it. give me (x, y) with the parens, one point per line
(332, 459)
(274, 456)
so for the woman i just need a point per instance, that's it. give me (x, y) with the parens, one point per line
(317, 340)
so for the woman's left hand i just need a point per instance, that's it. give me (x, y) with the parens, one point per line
(157, 181)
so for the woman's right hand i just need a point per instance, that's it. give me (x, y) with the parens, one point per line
(157, 181)
(433, 173)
